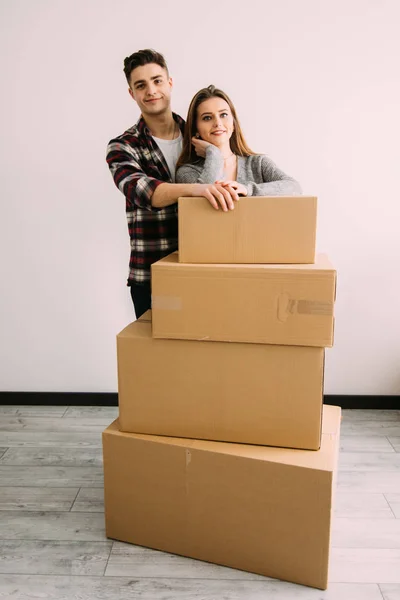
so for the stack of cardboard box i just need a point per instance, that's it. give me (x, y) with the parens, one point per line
(223, 450)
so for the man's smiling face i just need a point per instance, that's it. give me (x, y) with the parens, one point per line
(150, 86)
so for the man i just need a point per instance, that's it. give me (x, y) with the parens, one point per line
(142, 162)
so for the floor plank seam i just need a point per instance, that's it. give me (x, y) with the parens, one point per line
(57, 465)
(57, 487)
(4, 453)
(388, 439)
(108, 559)
(380, 590)
(52, 541)
(390, 506)
(52, 487)
(72, 505)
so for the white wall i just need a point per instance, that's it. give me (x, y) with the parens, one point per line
(317, 87)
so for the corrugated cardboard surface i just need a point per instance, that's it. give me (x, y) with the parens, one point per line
(258, 230)
(269, 304)
(248, 393)
(255, 508)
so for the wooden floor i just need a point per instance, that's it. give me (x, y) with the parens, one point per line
(52, 541)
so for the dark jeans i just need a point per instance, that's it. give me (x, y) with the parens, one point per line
(141, 297)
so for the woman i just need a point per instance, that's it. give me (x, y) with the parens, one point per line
(215, 151)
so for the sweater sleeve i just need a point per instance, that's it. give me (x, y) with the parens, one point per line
(275, 182)
(209, 171)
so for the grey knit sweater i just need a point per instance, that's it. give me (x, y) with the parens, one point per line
(257, 172)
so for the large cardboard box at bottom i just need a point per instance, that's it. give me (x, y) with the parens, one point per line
(266, 304)
(246, 393)
(260, 509)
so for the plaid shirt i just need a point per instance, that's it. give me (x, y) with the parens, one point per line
(138, 166)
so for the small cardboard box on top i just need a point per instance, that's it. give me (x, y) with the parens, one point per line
(246, 393)
(258, 230)
(265, 304)
(256, 508)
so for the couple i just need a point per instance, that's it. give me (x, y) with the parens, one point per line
(161, 158)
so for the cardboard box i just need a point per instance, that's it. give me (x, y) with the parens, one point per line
(258, 230)
(259, 509)
(246, 393)
(266, 304)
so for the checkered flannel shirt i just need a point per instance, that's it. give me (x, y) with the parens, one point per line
(138, 166)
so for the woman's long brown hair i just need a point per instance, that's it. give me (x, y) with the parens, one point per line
(237, 142)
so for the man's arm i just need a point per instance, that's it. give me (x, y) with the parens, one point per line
(151, 193)
(128, 175)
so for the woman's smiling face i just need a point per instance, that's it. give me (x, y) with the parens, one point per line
(215, 121)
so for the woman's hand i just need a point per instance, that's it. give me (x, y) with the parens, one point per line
(238, 187)
(200, 146)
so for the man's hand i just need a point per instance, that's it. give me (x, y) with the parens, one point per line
(234, 185)
(200, 146)
(222, 196)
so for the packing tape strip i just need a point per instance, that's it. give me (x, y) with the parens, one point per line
(166, 302)
(289, 306)
(286, 306)
(314, 307)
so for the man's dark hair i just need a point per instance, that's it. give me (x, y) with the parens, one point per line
(141, 58)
